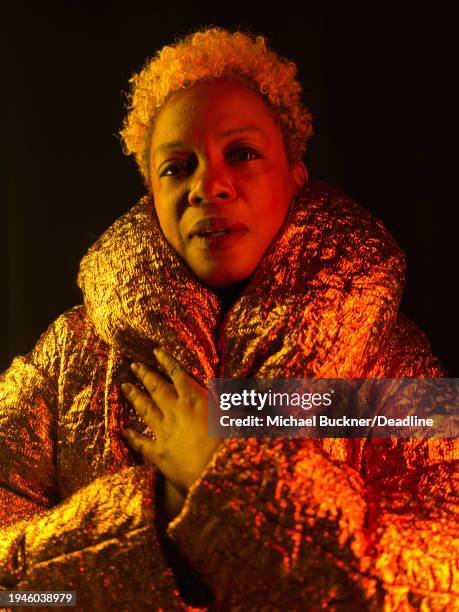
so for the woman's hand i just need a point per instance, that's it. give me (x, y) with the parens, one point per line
(177, 415)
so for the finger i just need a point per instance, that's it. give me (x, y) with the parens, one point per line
(179, 376)
(143, 405)
(157, 386)
(142, 445)
(184, 383)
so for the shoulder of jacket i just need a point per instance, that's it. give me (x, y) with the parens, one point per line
(73, 328)
(74, 320)
(408, 353)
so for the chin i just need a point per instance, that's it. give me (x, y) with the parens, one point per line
(222, 279)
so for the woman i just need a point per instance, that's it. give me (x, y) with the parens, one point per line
(234, 265)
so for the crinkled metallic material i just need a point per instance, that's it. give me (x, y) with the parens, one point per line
(334, 524)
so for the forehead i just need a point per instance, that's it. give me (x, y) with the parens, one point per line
(212, 107)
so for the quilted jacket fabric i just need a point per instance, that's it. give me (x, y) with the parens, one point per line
(272, 523)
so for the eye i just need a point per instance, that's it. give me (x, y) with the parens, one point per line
(175, 168)
(244, 154)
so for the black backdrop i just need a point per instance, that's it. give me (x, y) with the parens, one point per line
(380, 82)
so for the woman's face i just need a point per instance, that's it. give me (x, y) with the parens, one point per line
(220, 178)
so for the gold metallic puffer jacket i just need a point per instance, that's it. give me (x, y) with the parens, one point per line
(272, 524)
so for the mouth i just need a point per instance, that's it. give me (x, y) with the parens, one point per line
(216, 226)
(217, 233)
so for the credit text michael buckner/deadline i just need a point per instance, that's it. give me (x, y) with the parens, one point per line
(378, 420)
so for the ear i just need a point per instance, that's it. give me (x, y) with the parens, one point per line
(299, 175)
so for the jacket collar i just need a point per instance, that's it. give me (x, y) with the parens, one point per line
(321, 303)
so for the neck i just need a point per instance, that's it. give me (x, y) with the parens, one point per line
(228, 295)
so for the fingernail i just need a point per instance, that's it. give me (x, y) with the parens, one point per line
(135, 367)
(126, 388)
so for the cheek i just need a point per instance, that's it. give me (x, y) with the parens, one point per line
(274, 212)
(164, 206)
(259, 191)
(276, 186)
(165, 219)
(277, 201)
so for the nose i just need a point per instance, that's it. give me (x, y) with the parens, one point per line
(211, 184)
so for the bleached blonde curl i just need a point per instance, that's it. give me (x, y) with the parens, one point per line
(206, 55)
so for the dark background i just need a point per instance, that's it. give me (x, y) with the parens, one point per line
(379, 80)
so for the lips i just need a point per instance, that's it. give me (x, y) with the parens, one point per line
(216, 226)
(215, 236)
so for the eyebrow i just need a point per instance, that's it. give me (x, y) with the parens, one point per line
(177, 144)
(241, 130)
(167, 146)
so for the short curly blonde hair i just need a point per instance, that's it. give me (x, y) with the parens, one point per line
(206, 55)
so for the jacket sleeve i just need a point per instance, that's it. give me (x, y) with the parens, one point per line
(412, 491)
(101, 541)
(279, 521)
